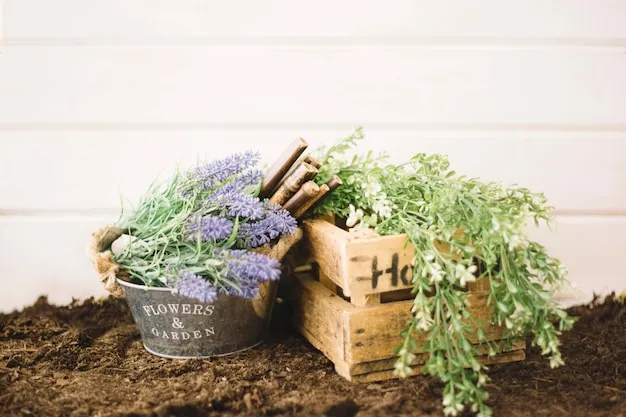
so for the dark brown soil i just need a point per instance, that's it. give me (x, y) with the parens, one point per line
(87, 360)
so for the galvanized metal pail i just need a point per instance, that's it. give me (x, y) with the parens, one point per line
(173, 326)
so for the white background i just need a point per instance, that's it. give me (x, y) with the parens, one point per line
(99, 96)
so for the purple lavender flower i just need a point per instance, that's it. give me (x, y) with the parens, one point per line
(274, 208)
(248, 269)
(245, 206)
(194, 286)
(253, 235)
(210, 228)
(247, 289)
(237, 185)
(282, 219)
(252, 266)
(250, 177)
(213, 173)
(276, 223)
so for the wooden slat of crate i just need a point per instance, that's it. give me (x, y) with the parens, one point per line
(372, 332)
(319, 314)
(359, 368)
(362, 265)
(378, 264)
(360, 340)
(326, 247)
(349, 260)
(383, 370)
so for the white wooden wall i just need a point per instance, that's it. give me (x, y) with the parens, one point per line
(99, 96)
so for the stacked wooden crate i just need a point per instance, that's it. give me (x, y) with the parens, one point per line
(357, 300)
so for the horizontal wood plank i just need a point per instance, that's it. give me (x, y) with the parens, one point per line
(132, 21)
(48, 255)
(383, 375)
(364, 368)
(85, 169)
(591, 249)
(221, 85)
(374, 332)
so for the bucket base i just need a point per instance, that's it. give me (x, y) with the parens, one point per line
(163, 355)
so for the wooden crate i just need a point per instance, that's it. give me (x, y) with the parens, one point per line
(357, 305)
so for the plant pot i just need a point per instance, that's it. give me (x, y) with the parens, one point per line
(177, 327)
(173, 326)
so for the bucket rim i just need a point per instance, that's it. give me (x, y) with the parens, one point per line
(167, 289)
(142, 287)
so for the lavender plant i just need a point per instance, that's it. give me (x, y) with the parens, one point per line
(195, 233)
(430, 203)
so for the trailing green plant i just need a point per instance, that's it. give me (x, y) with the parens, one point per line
(484, 224)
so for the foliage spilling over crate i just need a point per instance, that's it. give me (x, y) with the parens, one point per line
(357, 301)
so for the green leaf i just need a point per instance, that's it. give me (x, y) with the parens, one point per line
(233, 236)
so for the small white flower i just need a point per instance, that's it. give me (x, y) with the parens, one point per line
(516, 241)
(354, 216)
(382, 207)
(401, 368)
(372, 188)
(467, 275)
(424, 325)
(425, 322)
(450, 411)
(482, 380)
(436, 276)
(495, 224)
(554, 344)
(556, 361)
(519, 312)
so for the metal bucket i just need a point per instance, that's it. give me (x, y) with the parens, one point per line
(176, 327)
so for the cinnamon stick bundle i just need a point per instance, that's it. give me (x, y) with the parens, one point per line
(282, 166)
(304, 197)
(332, 184)
(303, 173)
(313, 161)
(308, 159)
(306, 205)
